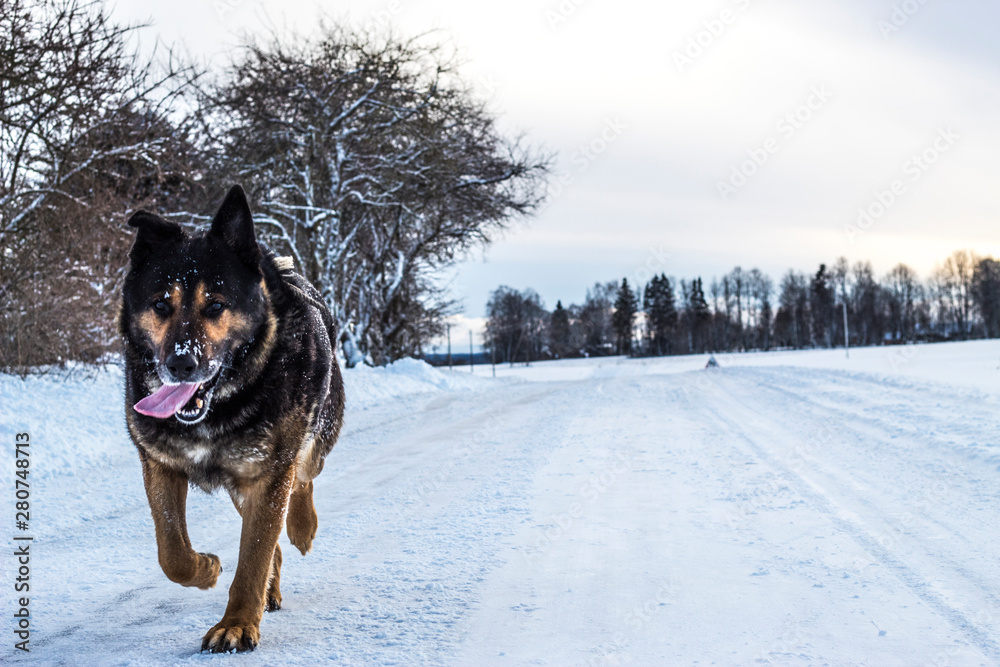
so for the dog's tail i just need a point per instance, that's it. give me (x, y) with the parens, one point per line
(284, 264)
(305, 291)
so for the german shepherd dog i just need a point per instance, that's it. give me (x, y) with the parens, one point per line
(231, 381)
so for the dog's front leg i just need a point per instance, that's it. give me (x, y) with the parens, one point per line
(263, 511)
(167, 492)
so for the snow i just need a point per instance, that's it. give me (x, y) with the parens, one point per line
(969, 364)
(786, 508)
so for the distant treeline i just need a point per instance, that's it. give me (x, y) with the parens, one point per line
(960, 301)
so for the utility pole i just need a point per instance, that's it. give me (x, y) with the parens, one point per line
(448, 326)
(847, 338)
(472, 358)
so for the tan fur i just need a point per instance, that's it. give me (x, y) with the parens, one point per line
(155, 326)
(273, 597)
(262, 509)
(264, 501)
(167, 492)
(220, 329)
(216, 330)
(302, 521)
(201, 297)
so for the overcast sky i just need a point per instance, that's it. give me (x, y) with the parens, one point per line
(651, 106)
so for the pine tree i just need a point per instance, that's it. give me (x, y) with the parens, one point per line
(559, 331)
(766, 317)
(821, 303)
(661, 311)
(623, 320)
(700, 314)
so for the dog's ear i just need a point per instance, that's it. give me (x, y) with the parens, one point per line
(153, 231)
(233, 224)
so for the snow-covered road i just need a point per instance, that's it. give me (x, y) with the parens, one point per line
(746, 515)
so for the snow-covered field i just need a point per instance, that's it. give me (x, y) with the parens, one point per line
(787, 508)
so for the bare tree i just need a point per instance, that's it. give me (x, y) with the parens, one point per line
(761, 289)
(596, 331)
(85, 134)
(953, 283)
(841, 276)
(69, 80)
(792, 322)
(904, 292)
(986, 295)
(516, 325)
(737, 281)
(374, 166)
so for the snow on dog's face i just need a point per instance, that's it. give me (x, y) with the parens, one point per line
(191, 302)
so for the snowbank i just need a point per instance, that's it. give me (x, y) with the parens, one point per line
(75, 420)
(969, 365)
(368, 386)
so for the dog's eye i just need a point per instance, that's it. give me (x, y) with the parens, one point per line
(162, 307)
(214, 308)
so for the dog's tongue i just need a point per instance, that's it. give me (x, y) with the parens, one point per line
(167, 400)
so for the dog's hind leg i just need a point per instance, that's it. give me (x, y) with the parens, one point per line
(167, 492)
(302, 521)
(273, 602)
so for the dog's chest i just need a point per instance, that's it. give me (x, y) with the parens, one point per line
(211, 465)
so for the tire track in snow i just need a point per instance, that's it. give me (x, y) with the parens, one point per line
(723, 405)
(864, 427)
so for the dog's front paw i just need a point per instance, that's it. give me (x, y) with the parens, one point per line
(207, 572)
(197, 570)
(229, 636)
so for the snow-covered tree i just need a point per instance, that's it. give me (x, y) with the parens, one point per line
(374, 166)
(87, 132)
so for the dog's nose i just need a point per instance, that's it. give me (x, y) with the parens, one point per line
(181, 366)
